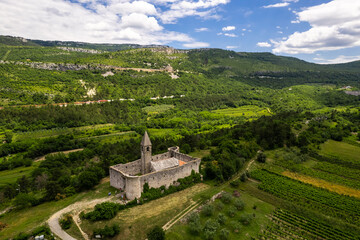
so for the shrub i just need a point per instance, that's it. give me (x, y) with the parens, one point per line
(207, 210)
(224, 234)
(210, 229)
(87, 180)
(24, 200)
(69, 191)
(235, 226)
(243, 177)
(239, 204)
(195, 225)
(232, 211)
(261, 157)
(193, 217)
(107, 231)
(66, 222)
(246, 219)
(235, 183)
(103, 211)
(157, 233)
(221, 219)
(226, 198)
(219, 205)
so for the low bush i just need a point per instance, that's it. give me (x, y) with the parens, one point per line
(224, 234)
(239, 204)
(194, 224)
(103, 211)
(235, 183)
(66, 222)
(226, 198)
(157, 233)
(210, 229)
(221, 219)
(235, 226)
(107, 232)
(232, 211)
(246, 219)
(207, 210)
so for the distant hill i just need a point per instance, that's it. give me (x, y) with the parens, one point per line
(18, 41)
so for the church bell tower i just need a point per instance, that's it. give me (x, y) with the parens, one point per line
(146, 156)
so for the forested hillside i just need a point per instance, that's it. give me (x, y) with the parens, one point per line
(70, 110)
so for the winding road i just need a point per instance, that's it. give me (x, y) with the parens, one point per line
(77, 208)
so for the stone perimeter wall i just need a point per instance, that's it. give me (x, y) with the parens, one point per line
(133, 185)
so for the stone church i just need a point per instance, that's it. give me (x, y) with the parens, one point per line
(158, 170)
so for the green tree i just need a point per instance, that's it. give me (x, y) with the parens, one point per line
(261, 157)
(210, 229)
(224, 234)
(24, 200)
(157, 233)
(8, 136)
(52, 188)
(239, 204)
(87, 180)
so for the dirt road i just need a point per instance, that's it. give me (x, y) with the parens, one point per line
(77, 208)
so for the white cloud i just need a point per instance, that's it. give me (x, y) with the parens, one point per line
(339, 59)
(284, 3)
(114, 21)
(196, 45)
(263, 44)
(231, 47)
(334, 25)
(229, 28)
(277, 5)
(201, 29)
(182, 8)
(230, 35)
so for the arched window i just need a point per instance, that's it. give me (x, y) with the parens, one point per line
(148, 149)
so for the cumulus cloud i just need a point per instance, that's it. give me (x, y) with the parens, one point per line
(229, 28)
(334, 25)
(263, 44)
(196, 45)
(180, 9)
(114, 21)
(231, 47)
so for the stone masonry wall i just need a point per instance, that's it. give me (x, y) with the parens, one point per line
(182, 157)
(160, 157)
(169, 176)
(131, 168)
(117, 179)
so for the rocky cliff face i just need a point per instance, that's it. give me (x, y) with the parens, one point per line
(54, 66)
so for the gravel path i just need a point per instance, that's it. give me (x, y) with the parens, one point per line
(78, 207)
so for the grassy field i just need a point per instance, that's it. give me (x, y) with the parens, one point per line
(163, 132)
(340, 150)
(249, 111)
(181, 231)
(137, 221)
(156, 109)
(10, 176)
(332, 187)
(200, 153)
(62, 131)
(28, 219)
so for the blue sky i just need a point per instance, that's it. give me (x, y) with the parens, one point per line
(323, 31)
